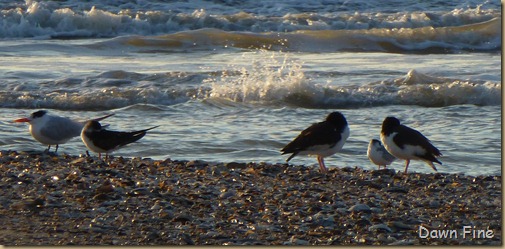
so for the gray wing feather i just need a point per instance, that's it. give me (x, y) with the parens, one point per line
(62, 129)
(386, 155)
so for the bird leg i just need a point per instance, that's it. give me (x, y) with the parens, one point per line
(99, 155)
(407, 162)
(47, 150)
(322, 167)
(56, 149)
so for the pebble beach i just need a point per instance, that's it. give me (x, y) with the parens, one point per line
(78, 200)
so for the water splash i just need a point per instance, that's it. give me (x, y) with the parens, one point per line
(275, 78)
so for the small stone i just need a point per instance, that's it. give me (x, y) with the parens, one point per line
(360, 208)
(196, 163)
(395, 189)
(398, 225)
(376, 210)
(228, 194)
(379, 227)
(106, 187)
(403, 242)
(235, 165)
(434, 204)
(78, 160)
(298, 242)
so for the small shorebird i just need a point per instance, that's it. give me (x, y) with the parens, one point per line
(100, 140)
(408, 144)
(321, 139)
(378, 154)
(53, 130)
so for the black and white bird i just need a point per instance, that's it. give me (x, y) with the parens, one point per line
(321, 139)
(408, 144)
(378, 154)
(100, 140)
(53, 130)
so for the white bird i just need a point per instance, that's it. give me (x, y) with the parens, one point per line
(408, 144)
(53, 130)
(321, 139)
(378, 154)
(100, 140)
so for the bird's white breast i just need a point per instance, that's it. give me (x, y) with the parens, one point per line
(325, 149)
(89, 143)
(407, 152)
(376, 155)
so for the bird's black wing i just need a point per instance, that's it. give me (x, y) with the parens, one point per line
(317, 134)
(413, 137)
(110, 140)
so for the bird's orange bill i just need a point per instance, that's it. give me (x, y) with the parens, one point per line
(21, 120)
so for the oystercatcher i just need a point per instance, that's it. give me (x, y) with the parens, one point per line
(321, 139)
(408, 144)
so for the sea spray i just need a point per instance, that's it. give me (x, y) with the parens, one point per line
(270, 78)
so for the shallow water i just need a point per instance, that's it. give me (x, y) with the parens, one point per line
(240, 92)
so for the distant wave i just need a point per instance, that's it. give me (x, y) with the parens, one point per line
(484, 36)
(285, 86)
(327, 27)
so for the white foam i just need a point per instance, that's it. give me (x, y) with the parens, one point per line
(111, 18)
(277, 79)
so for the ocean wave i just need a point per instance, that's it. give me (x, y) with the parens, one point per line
(262, 83)
(72, 20)
(92, 100)
(485, 36)
(415, 88)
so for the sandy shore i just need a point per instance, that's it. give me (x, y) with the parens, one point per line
(72, 200)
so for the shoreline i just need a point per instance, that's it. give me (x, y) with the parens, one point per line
(72, 200)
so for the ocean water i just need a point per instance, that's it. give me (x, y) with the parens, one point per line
(236, 80)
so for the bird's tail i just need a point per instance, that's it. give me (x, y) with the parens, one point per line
(433, 166)
(102, 118)
(292, 155)
(141, 133)
(149, 128)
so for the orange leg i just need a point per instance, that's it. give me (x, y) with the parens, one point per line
(406, 166)
(322, 167)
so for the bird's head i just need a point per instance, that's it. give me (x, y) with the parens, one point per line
(92, 125)
(34, 117)
(389, 124)
(337, 119)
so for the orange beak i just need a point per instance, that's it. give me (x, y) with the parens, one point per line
(21, 120)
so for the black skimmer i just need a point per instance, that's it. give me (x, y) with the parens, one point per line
(408, 144)
(378, 154)
(321, 139)
(100, 140)
(53, 130)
